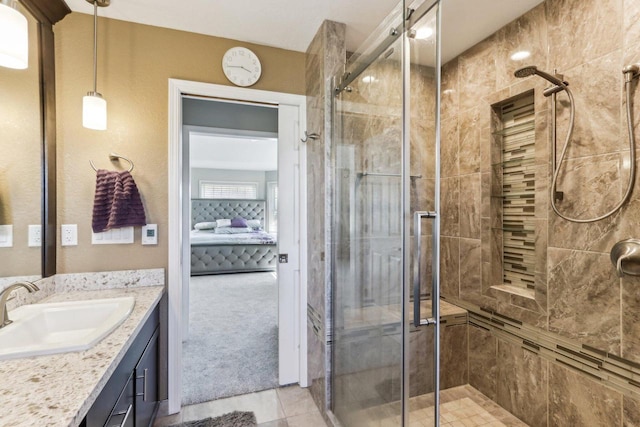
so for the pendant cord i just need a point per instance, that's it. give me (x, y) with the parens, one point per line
(95, 46)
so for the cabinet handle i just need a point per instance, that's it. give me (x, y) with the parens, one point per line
(126, 413)
(144, 385)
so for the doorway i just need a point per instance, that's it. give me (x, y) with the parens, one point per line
(231, 294)
(291, 269)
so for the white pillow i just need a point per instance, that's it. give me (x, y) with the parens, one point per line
(254, 223)
(205, 225)
(223, 223)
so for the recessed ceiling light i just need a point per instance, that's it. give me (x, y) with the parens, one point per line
(424, 32)
(368, 79)
(520, 55)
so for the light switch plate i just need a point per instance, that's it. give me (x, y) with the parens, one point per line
(6, 236)
(35, 235)
(150, 234)
(116, 236)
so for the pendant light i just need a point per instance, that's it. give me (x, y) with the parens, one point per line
(94, 106)
(14, 36)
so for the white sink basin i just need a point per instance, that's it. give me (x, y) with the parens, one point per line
(60, 327)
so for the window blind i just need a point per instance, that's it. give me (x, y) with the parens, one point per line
(518, 192)
(228, 190)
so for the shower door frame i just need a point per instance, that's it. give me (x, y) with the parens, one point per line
(341, 82)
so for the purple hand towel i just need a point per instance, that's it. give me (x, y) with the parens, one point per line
(117, 201)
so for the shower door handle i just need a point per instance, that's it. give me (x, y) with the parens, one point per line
(417, 231)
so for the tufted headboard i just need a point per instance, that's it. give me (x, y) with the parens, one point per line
(205, 210)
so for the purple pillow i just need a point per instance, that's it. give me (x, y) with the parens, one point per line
(238, 222)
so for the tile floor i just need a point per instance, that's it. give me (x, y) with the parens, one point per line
(282, 407)
(293, 406)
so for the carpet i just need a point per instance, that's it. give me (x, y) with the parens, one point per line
(233, 336)
(232, 419)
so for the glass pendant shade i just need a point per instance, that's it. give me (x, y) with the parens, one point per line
(14, 38)
(94, 111)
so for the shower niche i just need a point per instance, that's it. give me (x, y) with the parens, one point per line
(516, 201)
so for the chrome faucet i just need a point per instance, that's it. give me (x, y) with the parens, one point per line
(4, 296)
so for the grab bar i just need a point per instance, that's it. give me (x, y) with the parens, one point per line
(417, 231)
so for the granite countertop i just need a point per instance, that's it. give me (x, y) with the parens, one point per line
(59, 389)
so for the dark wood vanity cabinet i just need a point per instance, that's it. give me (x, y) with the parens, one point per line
(146, 384)
(130, 397)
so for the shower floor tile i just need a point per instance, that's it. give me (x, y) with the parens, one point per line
(462, 406)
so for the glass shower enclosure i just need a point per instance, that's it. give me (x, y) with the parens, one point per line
(386, 225)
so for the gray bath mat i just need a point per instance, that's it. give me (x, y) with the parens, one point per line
(232, 419)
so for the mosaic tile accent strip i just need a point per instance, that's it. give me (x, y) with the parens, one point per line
(518, 192)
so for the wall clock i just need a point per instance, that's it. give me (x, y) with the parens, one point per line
(241, 66)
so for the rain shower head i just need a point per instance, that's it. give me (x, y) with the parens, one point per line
(532, 69)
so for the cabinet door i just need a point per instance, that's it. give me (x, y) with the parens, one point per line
(146, 384)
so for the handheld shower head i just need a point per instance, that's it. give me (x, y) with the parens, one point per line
(532, 69)
(525, 71)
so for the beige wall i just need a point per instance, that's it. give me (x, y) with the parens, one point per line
(135, 63)
(21, 147)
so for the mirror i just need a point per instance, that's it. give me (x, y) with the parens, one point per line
(28, 144)
(21, 167)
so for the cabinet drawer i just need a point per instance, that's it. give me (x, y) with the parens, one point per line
(123, 413)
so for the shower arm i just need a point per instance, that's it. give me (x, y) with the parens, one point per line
(632, 154)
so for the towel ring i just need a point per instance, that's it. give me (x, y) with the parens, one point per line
(113, 157)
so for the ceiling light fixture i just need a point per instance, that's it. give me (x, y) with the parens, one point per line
(368, 79)
(520, 55)
(94, 106)
(14, 36)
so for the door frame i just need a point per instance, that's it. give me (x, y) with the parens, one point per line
(176, 262)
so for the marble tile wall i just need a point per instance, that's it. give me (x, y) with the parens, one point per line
(324, 57)
(509, 344)
(577, 295)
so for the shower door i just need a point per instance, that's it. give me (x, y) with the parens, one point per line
(385, 209)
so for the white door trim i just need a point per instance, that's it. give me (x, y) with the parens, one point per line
(178, 88)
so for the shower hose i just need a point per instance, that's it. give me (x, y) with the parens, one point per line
(632, 154)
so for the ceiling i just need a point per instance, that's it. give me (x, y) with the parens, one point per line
(232, 152)
(291, 24)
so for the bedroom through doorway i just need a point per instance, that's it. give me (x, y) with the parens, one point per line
(230, 344)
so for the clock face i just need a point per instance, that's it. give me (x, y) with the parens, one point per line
(241, 66)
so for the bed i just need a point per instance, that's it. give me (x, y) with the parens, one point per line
(214, 253)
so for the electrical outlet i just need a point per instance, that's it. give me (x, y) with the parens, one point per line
(6, 236)
(35, 235)
(69, 234)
